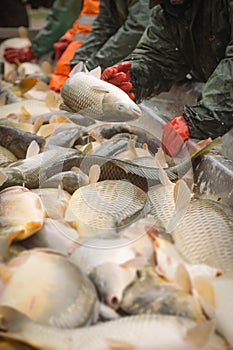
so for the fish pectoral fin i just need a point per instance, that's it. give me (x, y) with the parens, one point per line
(205, 294)
(114, 344)
(3, 178)
(94, 173)
(100, 89)
(5, 273)
(182, 197)
(33, 149)
(200, 334)
(64, 107)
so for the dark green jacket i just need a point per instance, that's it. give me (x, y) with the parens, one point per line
(115, 33)
(60, 18)
(198, 41)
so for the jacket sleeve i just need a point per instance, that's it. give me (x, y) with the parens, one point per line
(111, 40)
(212, 116)
(60, 18)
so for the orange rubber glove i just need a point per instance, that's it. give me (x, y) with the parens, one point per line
(119, 75)
(175, 133)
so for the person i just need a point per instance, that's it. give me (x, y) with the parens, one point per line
(115, 33)
(60, 18)
(184, 38)
(13, 14)
(70, 41)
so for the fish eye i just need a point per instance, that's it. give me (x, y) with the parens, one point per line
(121, 108)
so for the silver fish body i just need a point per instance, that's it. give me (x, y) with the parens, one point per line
(86, 93)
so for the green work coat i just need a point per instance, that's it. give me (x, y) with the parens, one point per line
(115, 33)
(60, 18)
(199, 41)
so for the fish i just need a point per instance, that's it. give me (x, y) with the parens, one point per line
(131, 333)
(54, 200)
(102, 208)
(84, 92)
(21, 213)
(62, 297)
(150, 293)
(65, 135)
(116, 169)
(13, 345)
(54, 234)
(101, 251)
(17, 141)
(6, 156)
(32, 171)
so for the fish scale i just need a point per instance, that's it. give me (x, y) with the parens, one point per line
(92, 104)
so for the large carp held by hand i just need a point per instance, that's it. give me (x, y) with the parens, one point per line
(86, 93)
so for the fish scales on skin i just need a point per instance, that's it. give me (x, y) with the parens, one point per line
(86, 93)
(32, 171)
(17, 141)
(131, 333)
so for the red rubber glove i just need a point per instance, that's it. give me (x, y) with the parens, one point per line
(175, 133)
(14, 55)
(119, 75)
(61, 45)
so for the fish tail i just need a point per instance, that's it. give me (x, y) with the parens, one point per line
(216, 142)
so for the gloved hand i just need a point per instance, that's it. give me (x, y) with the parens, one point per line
(175, 133)
(119, 75)
(61, 45)
(14, 55)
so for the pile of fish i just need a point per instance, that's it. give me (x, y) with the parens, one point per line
(101, 233)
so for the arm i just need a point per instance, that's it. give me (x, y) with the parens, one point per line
(115, 33)
(60, 18)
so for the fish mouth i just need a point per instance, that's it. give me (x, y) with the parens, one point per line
(136, 112)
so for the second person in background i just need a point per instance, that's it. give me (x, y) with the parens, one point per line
(115, 33)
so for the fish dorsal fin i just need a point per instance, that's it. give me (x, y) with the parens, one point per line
(96, 72)
(200, 333)
(132, 149)
(182, 197)
(94, 173)
(46, 67)
(165, 181)
(38, 123)
(33, 149)
(160, 158)
(46, 130)
(80, 67)
(23, 33)
(114, 344)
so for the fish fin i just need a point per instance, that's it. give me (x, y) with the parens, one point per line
(182, 196)
(200, 334)
(165, 181)
(3, 100)
(107, 313)
(38, 123)
(216, 142)
(25, 112)
(114, 344)
(160, 159)
(23, 32)
(96, 72)
(41, 86)
(100, 89)
(132, 149)
(64, 107)
(88, 148)
(3, 178)
(205, 289)
(46, 130)
(5, 273)
(46, 67)
(4, 247)
(26, 84)
(53, 100)
(182, 278)
(79, 67)
(33, 149)
(135, 263)
(94, 173)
